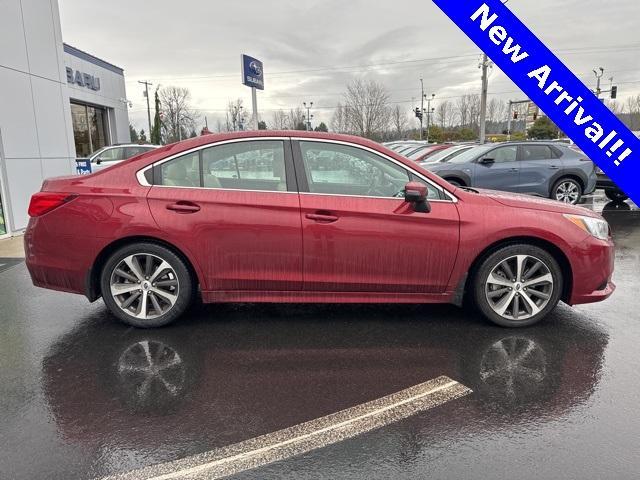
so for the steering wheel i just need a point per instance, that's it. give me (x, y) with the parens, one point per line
(379, 185)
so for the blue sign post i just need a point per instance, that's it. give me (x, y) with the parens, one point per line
(551, 86)
(253, 76)
(83, 166)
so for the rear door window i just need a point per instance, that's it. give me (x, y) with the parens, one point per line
(536, 152)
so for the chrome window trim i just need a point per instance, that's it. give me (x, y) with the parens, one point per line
(140, 175)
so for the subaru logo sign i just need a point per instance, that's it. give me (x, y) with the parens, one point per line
(256, 68)
(252, 72)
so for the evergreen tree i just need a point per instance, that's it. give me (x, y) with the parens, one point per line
(156, 138)
(133, 135)
(143, 136)
(322, 127)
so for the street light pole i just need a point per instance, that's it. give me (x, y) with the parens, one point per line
(429, 113)
(483, 98)
(146, 94)
(309, 116)
(598, 77)
(421, 104)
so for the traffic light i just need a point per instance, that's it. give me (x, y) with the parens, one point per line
(614, 93)
(418, 113)
(515, 115)
(535, 117)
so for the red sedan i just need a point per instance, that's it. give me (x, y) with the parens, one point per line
(306, 217)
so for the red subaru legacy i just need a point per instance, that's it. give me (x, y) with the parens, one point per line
(306, 217)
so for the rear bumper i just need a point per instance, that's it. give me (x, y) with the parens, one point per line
(56, 263)
(593, 264)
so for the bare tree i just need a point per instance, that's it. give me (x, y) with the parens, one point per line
(297, 119)
(399, 121)
(339, 119)
(178, 117)
(474, 111)
(462, 106)
(280, 120)
(445, 114)
(366, 107)
(235, 115)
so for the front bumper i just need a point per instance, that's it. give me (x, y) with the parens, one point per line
(592, 263)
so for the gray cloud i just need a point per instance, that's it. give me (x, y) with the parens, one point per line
(197, 45)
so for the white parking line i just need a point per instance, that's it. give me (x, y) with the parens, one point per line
(304, 437)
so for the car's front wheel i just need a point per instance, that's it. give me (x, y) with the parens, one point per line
(567, 190)
(616, 195)
(146, 285)
(517, 285)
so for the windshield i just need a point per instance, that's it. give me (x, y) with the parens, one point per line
(446, 154)
(471, 154)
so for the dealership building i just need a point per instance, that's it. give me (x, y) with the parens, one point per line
(57, 103)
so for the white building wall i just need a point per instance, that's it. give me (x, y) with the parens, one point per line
(36, 132)
(35, 120)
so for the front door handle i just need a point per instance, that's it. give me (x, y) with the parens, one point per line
(554, 167)
(322, 217)
(183, 207)
(514, 169)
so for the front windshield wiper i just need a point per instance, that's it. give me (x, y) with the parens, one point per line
(469, 189)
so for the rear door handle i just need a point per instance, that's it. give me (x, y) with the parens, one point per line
(554, 167)
(183, 207)
(515, 169)
(321, 217)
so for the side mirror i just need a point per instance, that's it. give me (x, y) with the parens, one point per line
(416, 194)
(98, 161)
(487, 161)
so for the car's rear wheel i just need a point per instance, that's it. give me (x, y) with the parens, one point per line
(616, 195)
(517, 285)
(567, 190)
(146, 285)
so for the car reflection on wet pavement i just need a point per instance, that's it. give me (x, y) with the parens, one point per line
(82, 396)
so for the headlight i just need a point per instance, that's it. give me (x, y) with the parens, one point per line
(594, 226)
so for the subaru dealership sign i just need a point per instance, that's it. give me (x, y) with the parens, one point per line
(252, 72)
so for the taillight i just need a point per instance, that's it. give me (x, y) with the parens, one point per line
(43, 202)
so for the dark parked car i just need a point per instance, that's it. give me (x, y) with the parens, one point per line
(611, 190)
(546, 169)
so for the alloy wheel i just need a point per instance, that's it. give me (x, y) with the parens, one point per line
(144, 286)
(519, 287)
(568, 192)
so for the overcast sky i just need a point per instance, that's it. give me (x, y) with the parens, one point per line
(312, 48)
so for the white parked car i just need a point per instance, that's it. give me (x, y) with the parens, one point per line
(113, 154)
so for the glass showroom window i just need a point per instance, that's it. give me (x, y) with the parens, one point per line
(89, 129)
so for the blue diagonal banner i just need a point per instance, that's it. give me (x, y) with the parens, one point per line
(551, 86)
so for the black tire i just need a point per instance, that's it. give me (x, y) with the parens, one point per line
(556, 190)
(616, 195)
(455, 182)
(185, 291)
(481, 275)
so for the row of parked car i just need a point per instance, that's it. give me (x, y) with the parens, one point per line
(552, 169)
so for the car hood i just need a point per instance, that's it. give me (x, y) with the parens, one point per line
(534, 203)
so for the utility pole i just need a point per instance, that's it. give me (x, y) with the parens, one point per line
(429, 113)
(309, 116)
(421, 104)
(146, 94)
(483, 98)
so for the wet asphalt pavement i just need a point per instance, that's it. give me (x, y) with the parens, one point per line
(557, 400)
